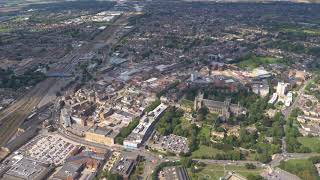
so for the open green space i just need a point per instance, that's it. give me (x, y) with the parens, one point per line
(312, 87)
(215, 171)
(5, 29)
(303, 168)
(252, 61)
(187, 103)
(296, 47)
(301, 31)
(205, 151)
(311, 142)
(243, 171)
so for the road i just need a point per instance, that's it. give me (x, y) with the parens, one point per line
(288, 111)
(152, 160)
(13, 116)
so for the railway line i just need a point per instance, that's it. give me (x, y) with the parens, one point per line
(12, 120)
(12, 117)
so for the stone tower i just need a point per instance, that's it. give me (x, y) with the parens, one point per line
(198, 101)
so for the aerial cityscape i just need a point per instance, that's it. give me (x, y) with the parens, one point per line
(159, 90)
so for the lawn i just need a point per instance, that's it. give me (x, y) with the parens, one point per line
(205, 151)
(243, 171)
(215, 171)
(311, 142)
(211, 171)
(187, 103)
(302, 168)
(252, 61)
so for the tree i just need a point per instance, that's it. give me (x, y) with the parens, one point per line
(250, 166)
(315, 159)
(186, 162)
(263, 157)
(62, 104)
(153, 105)
(111, 176)
(124, 132)
(114, 177)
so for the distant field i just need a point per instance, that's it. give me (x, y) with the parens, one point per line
(4, 29)
(302, 31)
(15, 5)
(311, 142)
(19, 2)
(252, 62)
(215, 171)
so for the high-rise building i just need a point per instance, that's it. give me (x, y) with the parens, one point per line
(282, 89)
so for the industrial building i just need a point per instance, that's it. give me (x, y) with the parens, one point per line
(27, 169)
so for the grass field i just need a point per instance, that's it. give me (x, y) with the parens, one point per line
(302, 168)
(215, 171)
(205, 150)
(311, 142)
(302, 31)
(244, 171)
(187, 104)
(4, 29)
(252, 62)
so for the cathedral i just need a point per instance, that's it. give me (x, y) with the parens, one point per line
(224, 109)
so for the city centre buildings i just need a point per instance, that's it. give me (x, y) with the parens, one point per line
(141, 133)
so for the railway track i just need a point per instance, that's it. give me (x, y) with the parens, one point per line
(22, 110)
(12, 117)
